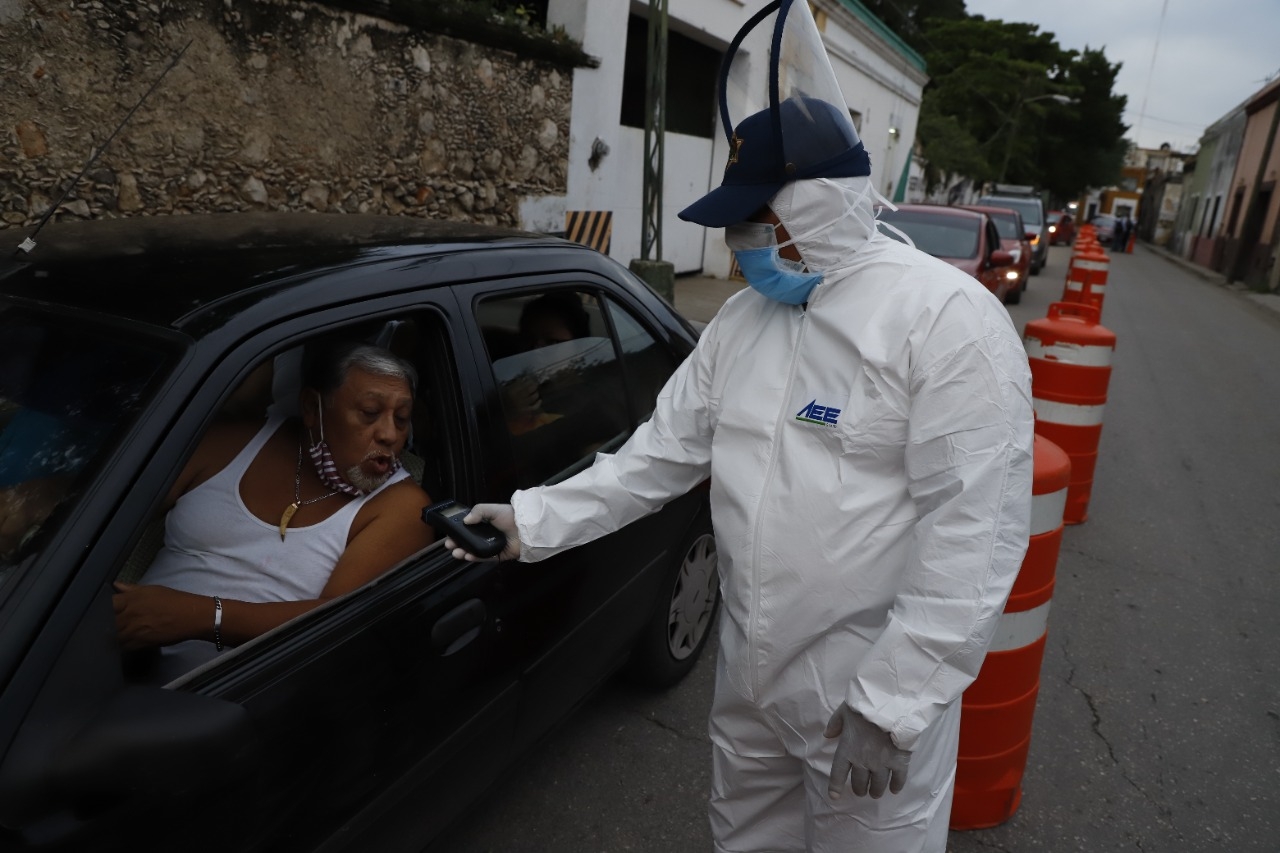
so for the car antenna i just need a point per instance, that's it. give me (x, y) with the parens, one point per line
(29, 243)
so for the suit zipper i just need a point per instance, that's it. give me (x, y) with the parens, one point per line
(764, 489)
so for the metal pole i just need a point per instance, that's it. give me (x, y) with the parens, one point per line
(655, 126)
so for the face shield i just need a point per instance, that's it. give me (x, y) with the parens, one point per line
(797, 127)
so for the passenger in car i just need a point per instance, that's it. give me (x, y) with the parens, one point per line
(554, 318)
(268, 521)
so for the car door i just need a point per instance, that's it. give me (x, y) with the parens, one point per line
(313, 735)
(588, 604)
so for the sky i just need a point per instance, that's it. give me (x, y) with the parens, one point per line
(1209, 55)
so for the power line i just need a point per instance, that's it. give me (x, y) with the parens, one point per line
(1151, 72)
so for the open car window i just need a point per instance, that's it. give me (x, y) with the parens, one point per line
(263, 402)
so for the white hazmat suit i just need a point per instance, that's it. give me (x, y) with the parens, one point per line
(870, 464)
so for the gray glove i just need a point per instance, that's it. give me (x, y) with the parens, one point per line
(501, 516)
(865, 755)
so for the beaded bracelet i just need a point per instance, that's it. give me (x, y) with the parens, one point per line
(217, 622)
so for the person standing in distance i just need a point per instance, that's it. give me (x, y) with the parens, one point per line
(863, 411)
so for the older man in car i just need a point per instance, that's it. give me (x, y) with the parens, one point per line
(268, 521)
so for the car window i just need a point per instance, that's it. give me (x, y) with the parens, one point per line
(562, 388)
(1032, 212)
(993, 237)
(940, 235)
(1008, 224)
(67, 390)
(181, 550)
(647, 363)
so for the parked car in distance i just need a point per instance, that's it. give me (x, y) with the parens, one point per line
(966, 239)
(1013, 239)
(1105, 227)
(1033, 219)
(372, 721)
(1062, 228)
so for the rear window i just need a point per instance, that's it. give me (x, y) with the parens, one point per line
(1032, 212)
(67, 390)
(939, 234)
(1008, 225)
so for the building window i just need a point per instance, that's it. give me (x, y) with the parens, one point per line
(691, 98)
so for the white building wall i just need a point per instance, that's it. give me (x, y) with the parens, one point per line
(877, 82)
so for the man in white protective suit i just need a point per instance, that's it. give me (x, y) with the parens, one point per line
(863, 411)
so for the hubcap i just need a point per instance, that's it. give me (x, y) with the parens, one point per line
(693, 598)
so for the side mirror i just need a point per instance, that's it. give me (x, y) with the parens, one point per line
(1000, 258)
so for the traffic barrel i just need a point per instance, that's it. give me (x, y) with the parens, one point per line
(1087, 276)
(997, 710)
(1070, 355)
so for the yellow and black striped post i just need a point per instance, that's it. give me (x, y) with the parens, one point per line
(592, 228)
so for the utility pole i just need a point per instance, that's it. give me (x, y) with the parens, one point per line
(650, 266)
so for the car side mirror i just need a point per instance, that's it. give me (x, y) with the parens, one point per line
(1000, 258)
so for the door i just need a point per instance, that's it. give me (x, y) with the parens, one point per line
(574, 367)
(316, 730)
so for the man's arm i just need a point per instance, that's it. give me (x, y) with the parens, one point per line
(969, 467)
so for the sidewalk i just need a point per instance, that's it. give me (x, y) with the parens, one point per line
(699, 297)
(1269, 301)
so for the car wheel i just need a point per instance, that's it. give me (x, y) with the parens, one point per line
(1013, 297)
(681, 622)
(1036, 267)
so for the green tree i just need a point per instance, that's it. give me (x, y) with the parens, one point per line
(910, 18)
(1083, 146)
(993, 108)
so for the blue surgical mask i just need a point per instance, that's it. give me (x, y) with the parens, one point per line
(755, 246)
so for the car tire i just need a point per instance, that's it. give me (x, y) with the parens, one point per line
(682, 619)
(1036, 267)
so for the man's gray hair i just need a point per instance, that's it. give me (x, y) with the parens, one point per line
(327, 369)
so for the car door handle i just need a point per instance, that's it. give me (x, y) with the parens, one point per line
(458, 627)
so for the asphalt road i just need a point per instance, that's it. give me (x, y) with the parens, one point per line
(1158, 722)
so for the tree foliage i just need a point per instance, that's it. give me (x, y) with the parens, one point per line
(994, 108)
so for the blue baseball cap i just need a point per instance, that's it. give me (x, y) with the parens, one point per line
(810, 139)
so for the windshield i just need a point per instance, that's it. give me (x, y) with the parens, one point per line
(1008, 225)
(66, 391)
(1028, 207)
(939, 234)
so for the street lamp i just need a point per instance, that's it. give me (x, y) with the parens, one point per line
(1013, 122)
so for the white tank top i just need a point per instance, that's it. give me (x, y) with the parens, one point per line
(213, 544)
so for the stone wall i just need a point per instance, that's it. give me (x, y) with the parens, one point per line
(275, 105)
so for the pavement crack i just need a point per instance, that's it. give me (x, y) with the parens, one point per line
(670, 728)
(1161, 809)
(1096, 722)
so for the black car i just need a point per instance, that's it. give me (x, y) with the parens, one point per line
(371, 721)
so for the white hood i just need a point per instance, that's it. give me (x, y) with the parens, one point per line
(830, 219)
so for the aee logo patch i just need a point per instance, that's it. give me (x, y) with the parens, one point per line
(821, 415)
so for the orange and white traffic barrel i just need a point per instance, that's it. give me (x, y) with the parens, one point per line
(998, 708)
(1070, 355)
(1087, 276)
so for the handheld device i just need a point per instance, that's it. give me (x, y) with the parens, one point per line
(481, 539)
